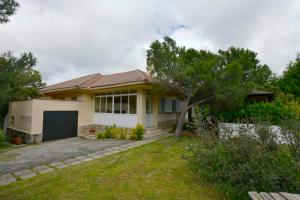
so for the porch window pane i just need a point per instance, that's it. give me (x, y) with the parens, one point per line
(109, 104)
(132, 104)
(117, 105)
(124, 109)
(103, 104)
(97, 104)
(162, 105)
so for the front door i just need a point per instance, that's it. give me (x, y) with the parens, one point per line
(149, 111)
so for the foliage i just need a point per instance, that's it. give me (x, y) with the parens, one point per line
(18, 79)
(273, 112)
(203, 77)
(113, 132)
(290, 81)
(187, 126)
(248, 161)
(7, 8)
(2, 136)
(137, 133)
(100, 135)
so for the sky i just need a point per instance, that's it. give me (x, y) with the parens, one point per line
(72, 38)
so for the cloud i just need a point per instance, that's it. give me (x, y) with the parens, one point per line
(73, 37)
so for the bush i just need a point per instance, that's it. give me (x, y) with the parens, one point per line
(272, 112)
(2, 136)
(187, 126)
(137, 133)
(248, 161)
(101, 135)
(116, 132)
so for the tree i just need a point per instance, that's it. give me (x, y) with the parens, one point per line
(290, 81)
(7, 8)
(18, 79)
(202, 77)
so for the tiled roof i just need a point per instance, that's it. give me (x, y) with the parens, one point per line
(120, 78)
(98, 80)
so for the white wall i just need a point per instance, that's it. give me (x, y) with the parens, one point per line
(121, 120)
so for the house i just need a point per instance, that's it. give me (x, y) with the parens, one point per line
(82, 105)
(260, 96)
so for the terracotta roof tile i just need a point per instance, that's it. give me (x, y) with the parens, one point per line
(120, 78)
(98, 80)
(81, 82)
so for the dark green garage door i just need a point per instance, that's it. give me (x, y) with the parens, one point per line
(59, 125)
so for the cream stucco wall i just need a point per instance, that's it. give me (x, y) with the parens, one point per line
(28, 115)
(20, 115)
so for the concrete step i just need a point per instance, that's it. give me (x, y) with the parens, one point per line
(153, 131)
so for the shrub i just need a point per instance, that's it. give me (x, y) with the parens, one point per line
(2, 136)
(116, 132)
(100, 135)
(273, 112)
(139, 131)
(187, 126)
(247, 161)
(133, 136)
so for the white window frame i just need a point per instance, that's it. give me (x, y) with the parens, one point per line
(120, 94)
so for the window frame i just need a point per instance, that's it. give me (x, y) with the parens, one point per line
(121, 94)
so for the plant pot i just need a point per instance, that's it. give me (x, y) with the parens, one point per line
(18, 140)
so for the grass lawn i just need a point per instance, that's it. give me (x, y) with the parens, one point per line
(153, 171)
(4, 146)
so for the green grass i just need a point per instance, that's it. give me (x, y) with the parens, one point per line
(153, 171)
(4, 146)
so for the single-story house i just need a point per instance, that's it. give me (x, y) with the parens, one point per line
(81, 105)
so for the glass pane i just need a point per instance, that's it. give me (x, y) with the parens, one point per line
(97, 104)
(174, 105)
(124, 108)
(109, 105)
(109, 93)
(125, 92)
(117, 104)
(132, 104)
(117, 92)
(103, 104)
(162, 105)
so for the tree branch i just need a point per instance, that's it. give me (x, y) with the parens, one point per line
(199, 102)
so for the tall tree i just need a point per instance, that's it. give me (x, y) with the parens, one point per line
(202, 77)
(18, 79)
(290, 81)
(7, 8)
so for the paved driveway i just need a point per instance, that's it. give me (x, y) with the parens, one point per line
(48, 152)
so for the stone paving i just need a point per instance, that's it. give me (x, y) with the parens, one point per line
(8, 178)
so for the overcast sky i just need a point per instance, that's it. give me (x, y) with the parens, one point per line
(72, 38)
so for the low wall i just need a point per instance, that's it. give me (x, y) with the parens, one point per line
(250, 128)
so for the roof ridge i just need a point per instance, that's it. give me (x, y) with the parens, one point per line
(93, 76)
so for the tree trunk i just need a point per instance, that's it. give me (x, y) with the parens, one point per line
(180, 121)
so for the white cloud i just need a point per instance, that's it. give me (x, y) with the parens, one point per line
(73, 37)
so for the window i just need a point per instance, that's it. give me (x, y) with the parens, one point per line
(169, 105)
(124, 104)
(118, 102)
(174, 105)
(109, 104)
(162, 105)
(74, 98)
(132, 104)
(103, 105)
(97, 104)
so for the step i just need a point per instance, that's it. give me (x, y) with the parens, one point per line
(153, 131)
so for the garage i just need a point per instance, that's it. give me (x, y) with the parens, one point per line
(59, 125)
